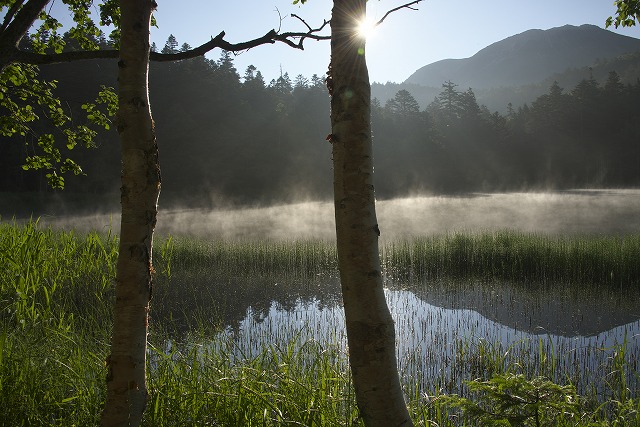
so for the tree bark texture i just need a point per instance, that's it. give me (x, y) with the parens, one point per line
(370, 327)
(126, 383)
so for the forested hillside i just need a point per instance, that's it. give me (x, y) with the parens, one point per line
(627, 67)
(522, 67)
(230, 136)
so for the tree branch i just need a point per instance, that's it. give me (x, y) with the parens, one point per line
(293, 39)
(269, 38)
(404, 6)
(55, 58)
(29, 12)
(24, 19)
(9, 16)
(218, 41)
(310, 34)
(293, 15)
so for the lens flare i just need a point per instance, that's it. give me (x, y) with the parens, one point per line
(366, 28)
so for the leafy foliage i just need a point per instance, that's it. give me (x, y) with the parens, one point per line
(110, 15)
(84, 31)
(627, 13)
(26, 100)
(512, 400)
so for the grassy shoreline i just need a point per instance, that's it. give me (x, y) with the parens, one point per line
(55, 310)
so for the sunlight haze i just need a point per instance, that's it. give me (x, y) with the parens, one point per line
(406, 41)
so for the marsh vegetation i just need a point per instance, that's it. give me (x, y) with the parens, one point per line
(251, 332)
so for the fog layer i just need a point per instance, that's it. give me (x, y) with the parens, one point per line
(569, 212)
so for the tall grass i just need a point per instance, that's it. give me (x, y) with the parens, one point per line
(53, 276)
(260, 258)
(290, 384)
(517, 256)
(56, 290)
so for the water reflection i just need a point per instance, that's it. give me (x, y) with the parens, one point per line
(442, 347)
(537, 308)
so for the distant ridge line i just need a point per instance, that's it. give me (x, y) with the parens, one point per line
(528, 58)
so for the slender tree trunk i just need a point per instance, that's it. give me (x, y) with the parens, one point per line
(126, 383)
(370, 328)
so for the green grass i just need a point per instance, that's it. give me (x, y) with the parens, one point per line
(56, 290)
(298, 258)
(53, 311)
(296, 384)
(516, 256)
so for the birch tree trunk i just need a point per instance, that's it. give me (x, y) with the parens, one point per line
(126, 382)
(370, 328)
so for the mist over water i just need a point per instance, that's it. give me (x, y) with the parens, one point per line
(567, 212)
(604, 212)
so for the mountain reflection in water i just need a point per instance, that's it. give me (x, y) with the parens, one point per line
(442, 347)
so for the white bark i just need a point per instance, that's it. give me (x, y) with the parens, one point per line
(126, 382)
(370, 328)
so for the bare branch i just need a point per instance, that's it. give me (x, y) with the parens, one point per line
(55, 58)
(279, 19)
(293, 15)
(288, 38)
(292, 39)
(217, 41)
(404, 6)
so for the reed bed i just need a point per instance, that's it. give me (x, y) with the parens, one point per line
(516, 256)
(56, 290)
(260, 258)
(502, 255)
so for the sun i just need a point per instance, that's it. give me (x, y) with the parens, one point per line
(366, 28)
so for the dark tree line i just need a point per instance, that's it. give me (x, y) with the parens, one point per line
(231, 136)
(586, 137)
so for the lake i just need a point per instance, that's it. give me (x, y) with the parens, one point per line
(447, 332)
(447, 335)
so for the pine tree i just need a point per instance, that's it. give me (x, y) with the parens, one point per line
(403, 104)
(613, 87)
(171, 46)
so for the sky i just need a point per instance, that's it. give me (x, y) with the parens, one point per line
(406, 40)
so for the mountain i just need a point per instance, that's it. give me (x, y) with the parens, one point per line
(528, 58)
(627, 67)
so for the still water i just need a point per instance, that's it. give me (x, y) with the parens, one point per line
(440, 348)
